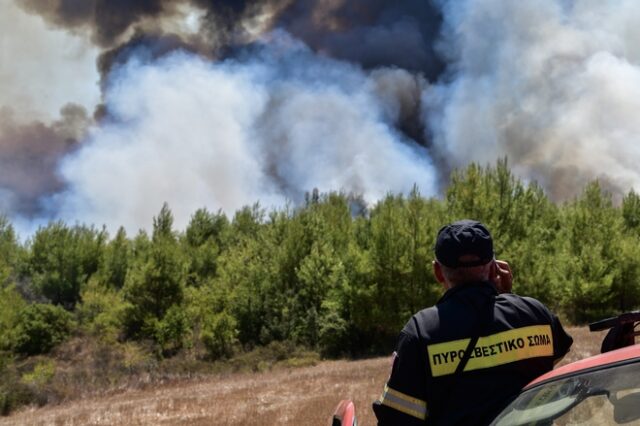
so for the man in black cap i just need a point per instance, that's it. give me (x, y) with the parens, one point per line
(460, 361)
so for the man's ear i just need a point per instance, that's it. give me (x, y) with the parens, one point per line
(437, 271)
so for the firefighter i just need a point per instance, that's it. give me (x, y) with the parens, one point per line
(460, 361)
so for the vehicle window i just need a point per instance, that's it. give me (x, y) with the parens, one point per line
(609, 396)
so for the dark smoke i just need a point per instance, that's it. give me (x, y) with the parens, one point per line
(124, 28)
(372, 33)
(146, 48)
(106, 20)
(30, 155)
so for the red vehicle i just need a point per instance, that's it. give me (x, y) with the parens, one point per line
(599, 390)
(345, 414)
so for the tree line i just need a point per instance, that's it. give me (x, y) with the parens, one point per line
(332, 275)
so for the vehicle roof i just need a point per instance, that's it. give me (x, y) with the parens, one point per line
(619, 355)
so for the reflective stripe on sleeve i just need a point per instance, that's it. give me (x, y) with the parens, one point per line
(404, 403)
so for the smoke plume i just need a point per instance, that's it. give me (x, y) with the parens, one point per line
(554, 85)
(223, 103)
(266, 128)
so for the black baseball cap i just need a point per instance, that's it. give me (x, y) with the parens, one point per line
(463, 244)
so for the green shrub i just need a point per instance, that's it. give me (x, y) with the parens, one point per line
(11, 304)
(219, 334)
(41, 375)
(170, 331)
(334, 335)
(62, 259)
(13, 393)
(41, 327)
(102, 311)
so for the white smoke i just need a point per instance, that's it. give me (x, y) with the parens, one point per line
(225, 135)
(43, 69)
(554, 85)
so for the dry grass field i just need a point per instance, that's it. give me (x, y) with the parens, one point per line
(300, 396)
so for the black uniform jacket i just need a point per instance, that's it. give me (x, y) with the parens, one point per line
(519, 339)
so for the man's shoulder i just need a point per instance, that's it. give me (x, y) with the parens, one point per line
(524, 299)
(527, 304)
(421, 322)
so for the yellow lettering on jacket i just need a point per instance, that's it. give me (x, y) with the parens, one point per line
(493, 350)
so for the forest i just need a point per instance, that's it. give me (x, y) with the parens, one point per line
(333, 276)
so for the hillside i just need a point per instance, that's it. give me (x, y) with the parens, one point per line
(302, 396)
